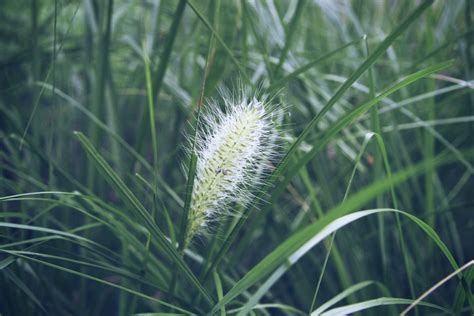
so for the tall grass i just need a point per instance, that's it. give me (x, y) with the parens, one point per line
(368, 208)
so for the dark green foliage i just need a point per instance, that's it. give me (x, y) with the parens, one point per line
(368, 208)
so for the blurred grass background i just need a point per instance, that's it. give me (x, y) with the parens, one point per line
(68, 65)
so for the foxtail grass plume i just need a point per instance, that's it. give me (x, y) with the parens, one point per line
(234, 148)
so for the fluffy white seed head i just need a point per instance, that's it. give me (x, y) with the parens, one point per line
(235, 148)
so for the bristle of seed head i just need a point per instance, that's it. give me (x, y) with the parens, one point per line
(234, 147)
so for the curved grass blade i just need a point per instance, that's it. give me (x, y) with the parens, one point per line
(282, 307)
(348, 83)
(354, 308)
(104, 266)
(291, 247)
(35, 148)
(348, 118)
(433, 288)
(132, 201)
(90, 277)
(461, 294)
(275, 86)
(115, 136)
(158, 314)
(339, 297)
(23, 287)
(46, 230)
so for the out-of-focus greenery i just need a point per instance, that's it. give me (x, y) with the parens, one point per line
(377, 145)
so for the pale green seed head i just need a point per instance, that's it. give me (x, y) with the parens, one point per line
(234, 149)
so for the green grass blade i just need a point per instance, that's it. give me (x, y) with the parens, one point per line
(115, 136)
(132, 201)
(350, 117)
(461, 292)
(168, 47)
(25, 289)
(163, 65)
(290, 247)
(290, 35)
(220, 293)
(187, 202)
(104, 266)
(243, 73)
(90, 277)
(45, 230)
(348, 83)
(354, 308)
(280, 83)
(264, 307)
(336, 299)
(151, 107)
(100, 85)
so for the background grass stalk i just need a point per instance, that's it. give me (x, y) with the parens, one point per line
(163, 65)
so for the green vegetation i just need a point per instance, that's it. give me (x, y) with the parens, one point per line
(367, 208)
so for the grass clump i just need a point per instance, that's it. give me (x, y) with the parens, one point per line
(361, 203)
